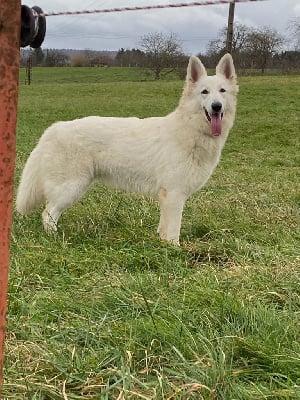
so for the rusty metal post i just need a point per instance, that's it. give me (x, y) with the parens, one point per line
(230, 27)
(10, 17)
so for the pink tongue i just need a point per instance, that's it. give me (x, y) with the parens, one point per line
(216, 124)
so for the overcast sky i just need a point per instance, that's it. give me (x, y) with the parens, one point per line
(194, 26)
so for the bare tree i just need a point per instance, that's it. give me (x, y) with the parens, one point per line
(130, 58)
(217, 47)
(79, 60)
(294, 30)
(101, 61)
(161, 53)
(263, 44)
(55, 58)
(250, 47)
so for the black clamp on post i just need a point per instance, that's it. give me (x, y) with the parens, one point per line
(33, 27)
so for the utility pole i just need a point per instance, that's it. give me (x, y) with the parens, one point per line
(230, 27)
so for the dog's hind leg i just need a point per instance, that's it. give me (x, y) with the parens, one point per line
(171, 207)
(59, 198)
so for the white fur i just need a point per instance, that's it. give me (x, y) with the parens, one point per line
(169, 157)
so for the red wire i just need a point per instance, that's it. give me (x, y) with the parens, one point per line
(153, 7)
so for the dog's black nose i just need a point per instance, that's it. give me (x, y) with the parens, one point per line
(216, 106)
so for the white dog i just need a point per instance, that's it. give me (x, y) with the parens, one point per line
(169, 157)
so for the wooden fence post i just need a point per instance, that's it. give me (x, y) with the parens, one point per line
(10, 17)
(230, 27)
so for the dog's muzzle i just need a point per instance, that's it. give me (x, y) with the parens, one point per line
(215, 118)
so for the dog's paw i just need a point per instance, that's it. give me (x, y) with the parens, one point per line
(174, 241)
(162, 234)
(171, 240)
(49, 223)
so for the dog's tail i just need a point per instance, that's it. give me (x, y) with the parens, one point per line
(30, 192)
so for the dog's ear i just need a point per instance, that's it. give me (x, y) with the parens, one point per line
(195, 70)
(225, 67)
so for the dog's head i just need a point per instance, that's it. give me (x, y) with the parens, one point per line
(214, 97)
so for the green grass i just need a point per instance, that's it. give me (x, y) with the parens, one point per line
(105, 310)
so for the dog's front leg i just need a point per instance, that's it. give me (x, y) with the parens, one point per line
(171, 206)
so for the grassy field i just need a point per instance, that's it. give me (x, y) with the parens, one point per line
(105, 310)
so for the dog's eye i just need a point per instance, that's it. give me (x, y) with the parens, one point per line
(204, 91)
(222, 90)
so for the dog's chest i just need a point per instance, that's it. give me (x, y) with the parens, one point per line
(202, 161)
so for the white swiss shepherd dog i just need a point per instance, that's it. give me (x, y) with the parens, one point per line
(168, 157)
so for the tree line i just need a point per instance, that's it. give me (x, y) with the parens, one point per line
(253, 49)
(256, 49)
